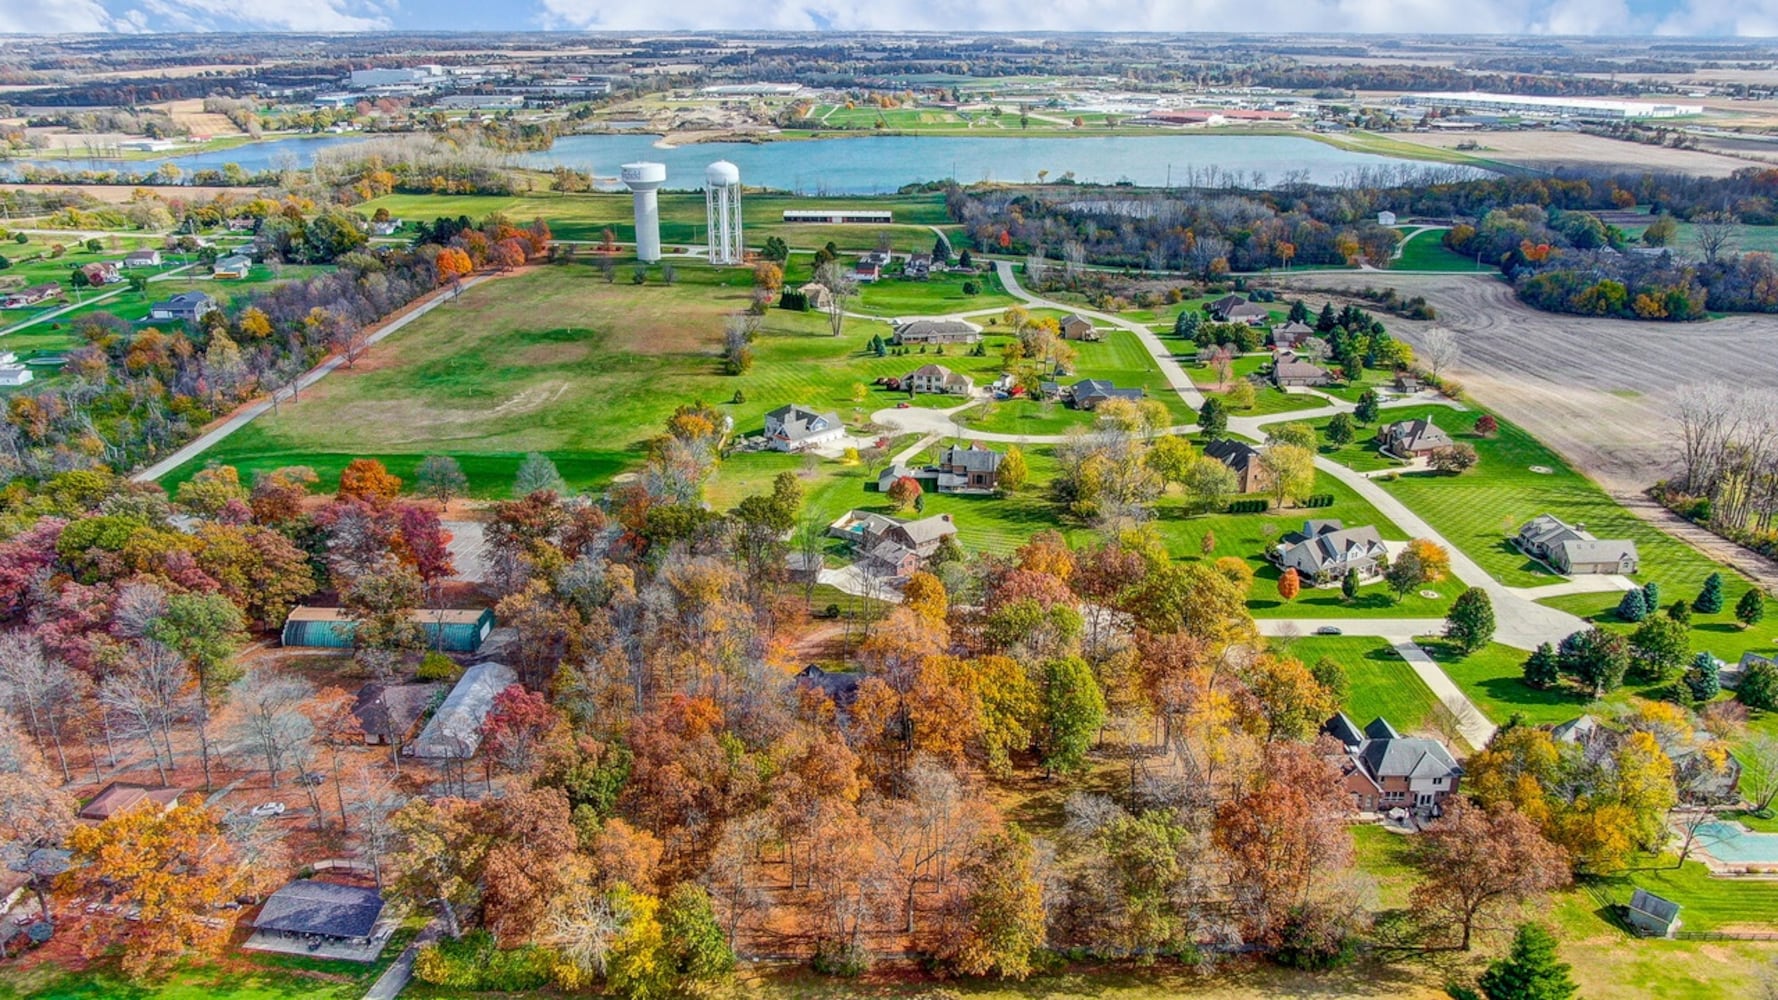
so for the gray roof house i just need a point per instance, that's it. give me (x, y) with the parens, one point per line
(387, 713)
(889, 546)
(1243, 460)
(793, 428)
(187, 306)
(1289, 372)
(455, 730)
(936, 331)
(1651, 916)
(1249, 313)
(1412, 438)
(1570, 550)
(1088, 393)
(971, 469)
(1383, 770)
(327, 909)
(1290, 336)
(1323, 551)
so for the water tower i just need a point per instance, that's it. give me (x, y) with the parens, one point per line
(645, 179)
(722, 211)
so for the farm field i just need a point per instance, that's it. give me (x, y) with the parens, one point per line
(586, 216)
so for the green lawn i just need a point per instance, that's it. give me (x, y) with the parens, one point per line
(1382, 684)
(939, 294)
(1493, 678)
(1427, 252)
(1120, 357)
(1386, 858)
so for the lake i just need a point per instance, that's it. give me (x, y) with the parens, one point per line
(881, 164)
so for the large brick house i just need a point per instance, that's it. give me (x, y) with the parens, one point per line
(1384, 770)
(971, 469)
(1243, 460)
(1412, 438)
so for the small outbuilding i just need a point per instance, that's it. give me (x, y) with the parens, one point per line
(1651, 916)
(388, 713)
(121, 796)
(455, 730)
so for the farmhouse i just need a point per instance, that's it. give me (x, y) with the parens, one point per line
(935, 331)
(457, 631)
(120, 796)
(1243, 460)
(189, 307)
(1078, 327)
(388, 713)
(1289, 372)
(937, 379)
(867, 272)
(972, 469)
(455, 730)
(1385, 770)
(142, 258)
(235, 265)
(30, 296)
(1324, 551)
(891, 547)
(101, 273)
(1570, 550)
(919, 267)
(1088, 393)
(793, 428)
(1410, 439)
(325, 918)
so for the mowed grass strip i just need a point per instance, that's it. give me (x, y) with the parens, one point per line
(1381, 684)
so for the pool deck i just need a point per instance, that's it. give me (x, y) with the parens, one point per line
(1710, 836)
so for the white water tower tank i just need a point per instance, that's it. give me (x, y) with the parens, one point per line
(722, 212)
(644, 179)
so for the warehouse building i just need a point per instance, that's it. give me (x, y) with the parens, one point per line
(1559, 107)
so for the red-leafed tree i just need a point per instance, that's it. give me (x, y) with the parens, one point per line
(519, 729)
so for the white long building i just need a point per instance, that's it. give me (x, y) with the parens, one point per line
(1563, 107)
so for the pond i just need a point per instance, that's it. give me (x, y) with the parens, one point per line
(1733, 843)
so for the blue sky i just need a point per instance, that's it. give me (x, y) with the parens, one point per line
(1576, 17)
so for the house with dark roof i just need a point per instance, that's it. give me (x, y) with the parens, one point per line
(1244, 461)
(919, 267)
(794, 428)
(1289, 372)
(1290, 336)
(1411, 439)
(937, 379)
(890, 546)
(1570, 550)
(1237, 309)
(187, 307)
(839, 685)
(960, 469)
(1078, 327)
(1705, 775)
(322, 918)
(1088, 393)
(1324, 551)
(388, 713)
(121, 796)
(1650, 915)
(935, 331)
(1384, 770)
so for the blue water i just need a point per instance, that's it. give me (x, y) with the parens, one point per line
(1729, 842)
(878, 164)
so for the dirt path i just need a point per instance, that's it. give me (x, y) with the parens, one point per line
(1720, 549)
(1598, 391)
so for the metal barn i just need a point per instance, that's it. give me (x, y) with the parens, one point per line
(452, 630)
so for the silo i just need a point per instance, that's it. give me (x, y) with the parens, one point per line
(645, 179)
(722, 212)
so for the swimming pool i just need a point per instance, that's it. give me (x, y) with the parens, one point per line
(1734, 843)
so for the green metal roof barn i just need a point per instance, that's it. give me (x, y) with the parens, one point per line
(453, 630)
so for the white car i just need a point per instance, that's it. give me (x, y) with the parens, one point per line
(265, 809)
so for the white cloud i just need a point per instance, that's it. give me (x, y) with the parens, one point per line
(50, 16)
(271, 15)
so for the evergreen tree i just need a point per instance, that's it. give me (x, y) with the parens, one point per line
(1542, 668)
(1349, 585)
(1680, 612)
(1759, 686)
(1751, 608)
(1299, 313)
(1530, 971)
(1651, 596)
(1709, 600)
(1701, 677)
(1213, 419)
(941, 250)
(1186, 324)
(1470, 624)
(1369, 407)
(1632, 608)
(1326, 321)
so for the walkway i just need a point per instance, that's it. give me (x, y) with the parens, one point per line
(1474, 726)
(395, 978)
(246, 415)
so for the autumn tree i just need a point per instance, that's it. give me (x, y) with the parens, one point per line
(997, 924)
(270, 723)
(1014, 471)
(519, 728)
(436, 854)
(1289, 585)
(904, 493)
(366, 479)
(1073, 711)
(205, 630)
(1285, 842)
(171, 870)
(1479, 867)
(1470, 623)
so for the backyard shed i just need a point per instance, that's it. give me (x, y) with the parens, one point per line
(453, 630)
(455, 730)
(1652, 916)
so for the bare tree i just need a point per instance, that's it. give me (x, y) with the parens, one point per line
(38, 689)
(271, 724)
(1759, 775)
(1438, 346)
(373, 799)
(833, 276)
(147, 696)
(1714, 233)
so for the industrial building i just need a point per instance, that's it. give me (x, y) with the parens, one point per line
(1560, 107)
(839, 217)
(722, 212)
(644, 179)
(455, 631)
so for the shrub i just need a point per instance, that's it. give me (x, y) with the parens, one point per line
(474, 962)
(436, 666)
(1632, 608)
(833, 958)
(1759, 686)
(971, 288)
(1709, 600)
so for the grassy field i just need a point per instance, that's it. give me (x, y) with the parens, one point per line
(1268, 398)
(1382, 684)
(1426, 251)
(587, 216)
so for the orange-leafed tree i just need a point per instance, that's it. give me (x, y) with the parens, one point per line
(904, 493)
(1289, 585)
(452, 264)
(925, 596)
(1433, 558)
(171, 870)
(768, 276)
(366, 479)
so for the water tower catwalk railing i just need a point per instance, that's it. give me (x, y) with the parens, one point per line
(722, 212)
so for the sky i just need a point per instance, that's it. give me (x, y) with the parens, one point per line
(1747, 18)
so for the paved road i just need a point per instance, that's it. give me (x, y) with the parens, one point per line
(248, 414)
(395, 978)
